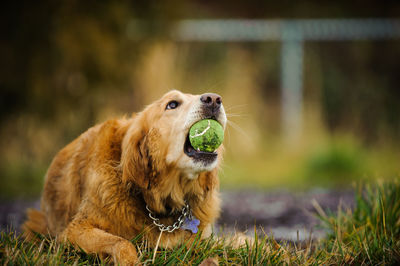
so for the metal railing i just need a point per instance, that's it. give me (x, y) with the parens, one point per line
(292, 34)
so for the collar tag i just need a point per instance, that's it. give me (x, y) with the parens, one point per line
(191, 223)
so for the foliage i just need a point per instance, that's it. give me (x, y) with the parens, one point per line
(336, 164)
(370, 235)
(68, 65)
(27, 180)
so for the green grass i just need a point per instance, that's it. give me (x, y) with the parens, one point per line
(371, 233)
(367, 235)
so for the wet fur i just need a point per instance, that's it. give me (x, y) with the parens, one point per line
(97, 187)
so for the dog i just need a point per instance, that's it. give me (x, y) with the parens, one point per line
(130, 176)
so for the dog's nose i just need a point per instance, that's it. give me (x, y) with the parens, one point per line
(211, 100)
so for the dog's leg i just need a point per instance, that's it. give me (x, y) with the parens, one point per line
(95, 240)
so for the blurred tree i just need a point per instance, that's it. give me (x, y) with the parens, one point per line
(360, 88)
(290, 9)
(53, 52)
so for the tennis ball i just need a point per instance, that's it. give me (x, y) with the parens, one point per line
(206, 135)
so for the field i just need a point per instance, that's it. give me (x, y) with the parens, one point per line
(327, 140)
(367, 235)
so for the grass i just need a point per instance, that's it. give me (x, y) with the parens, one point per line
(316, 160)
(367, 235)
(371, 233)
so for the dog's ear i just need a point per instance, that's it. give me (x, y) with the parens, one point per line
(135, 159)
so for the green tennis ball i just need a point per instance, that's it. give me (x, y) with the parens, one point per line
(206, 135)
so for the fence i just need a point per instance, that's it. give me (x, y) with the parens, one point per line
(292, 34)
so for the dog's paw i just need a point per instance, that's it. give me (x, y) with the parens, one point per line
(209, 262)
(125, 254)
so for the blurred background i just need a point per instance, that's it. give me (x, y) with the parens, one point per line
(67, 65)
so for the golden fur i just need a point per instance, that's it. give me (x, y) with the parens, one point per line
(97, 187)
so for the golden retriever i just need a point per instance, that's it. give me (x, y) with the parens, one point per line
(128, 176)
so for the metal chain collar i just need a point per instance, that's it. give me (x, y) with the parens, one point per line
(186, 212)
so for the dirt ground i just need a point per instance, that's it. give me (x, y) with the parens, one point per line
(286, 215)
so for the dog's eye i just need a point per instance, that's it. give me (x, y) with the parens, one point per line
(172, 105)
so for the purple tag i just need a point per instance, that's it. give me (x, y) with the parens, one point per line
(191, 224)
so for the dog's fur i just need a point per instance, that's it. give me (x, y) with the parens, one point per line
(97, 187)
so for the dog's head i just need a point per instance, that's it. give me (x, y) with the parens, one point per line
(157, 139)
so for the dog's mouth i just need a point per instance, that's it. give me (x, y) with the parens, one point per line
(197, 155)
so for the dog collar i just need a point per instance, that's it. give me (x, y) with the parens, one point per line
(185, 221)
